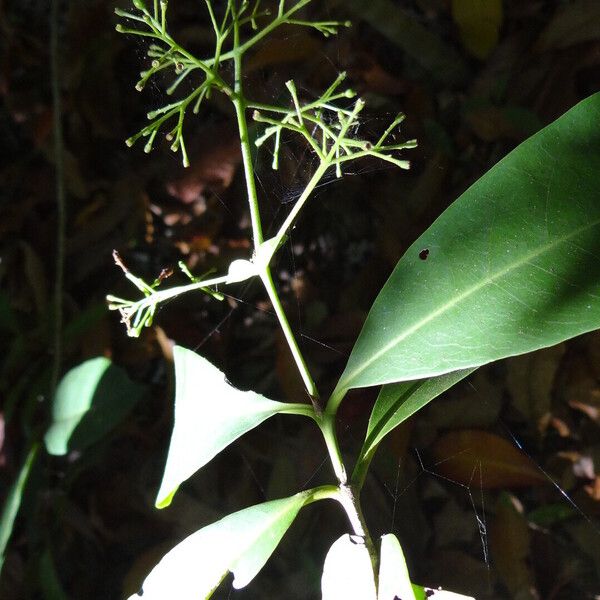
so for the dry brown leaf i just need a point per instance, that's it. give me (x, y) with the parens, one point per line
(214, 168)
(460, 454)
(510, 549)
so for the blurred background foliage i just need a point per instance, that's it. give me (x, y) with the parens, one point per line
(475, 486)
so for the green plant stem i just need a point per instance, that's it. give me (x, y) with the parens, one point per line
(361, 468)
(240, 112)
(323, 492)
(317, 175)
(349, 495)
(311, 387)
(327, 425)
(297, 408)
(335, 400)
(242, 48)
(160, 296)
(350, 500)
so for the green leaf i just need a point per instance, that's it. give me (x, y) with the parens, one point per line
(240, 543)
(90, 400)
(397, 402)
(347, 572)
(13, 502)
(512, 266)
(209, 415)
(394, 580)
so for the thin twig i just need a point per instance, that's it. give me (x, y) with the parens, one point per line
(61, 208)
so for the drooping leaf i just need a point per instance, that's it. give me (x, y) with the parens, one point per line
(348, 572)
(239, 543)
(503, 465)
(13, 502)
(89, 402)
(394, 580)
(397, 402)
(510, 267)
(209, 415)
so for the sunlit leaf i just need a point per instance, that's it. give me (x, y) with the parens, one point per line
(347, 572)
(89, 402)
(394, 580)
(239, 543)
(209, 415)
(512, 266)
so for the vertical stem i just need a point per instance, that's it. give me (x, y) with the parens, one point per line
(349, 496)
(311, 388)
(240, 111)
(239, 103)
(327, 426)
(351, 503)
(60, 199)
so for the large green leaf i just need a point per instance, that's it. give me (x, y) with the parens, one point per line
(397, 402)
(240, 543)
(512, 266)
(90, 400)
(209, 415)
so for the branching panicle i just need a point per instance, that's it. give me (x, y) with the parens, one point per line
(166, 53)
(327, 124)
(320, 123)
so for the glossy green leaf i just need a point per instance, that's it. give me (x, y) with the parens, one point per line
(397, 402)
(512, 266)
(239, 543)
(394, 580)
(90, 400)
(347, 572)
(209, 415)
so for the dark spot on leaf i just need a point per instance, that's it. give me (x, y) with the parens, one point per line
(140, 592)
(424, 254)
(429, 593)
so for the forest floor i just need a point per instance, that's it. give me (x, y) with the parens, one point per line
(492, 488)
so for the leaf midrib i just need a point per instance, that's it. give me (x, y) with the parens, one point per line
(346, 385)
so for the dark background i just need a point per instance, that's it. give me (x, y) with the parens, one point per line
(493, 522)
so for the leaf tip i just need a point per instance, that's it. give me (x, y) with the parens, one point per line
(163, 500)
